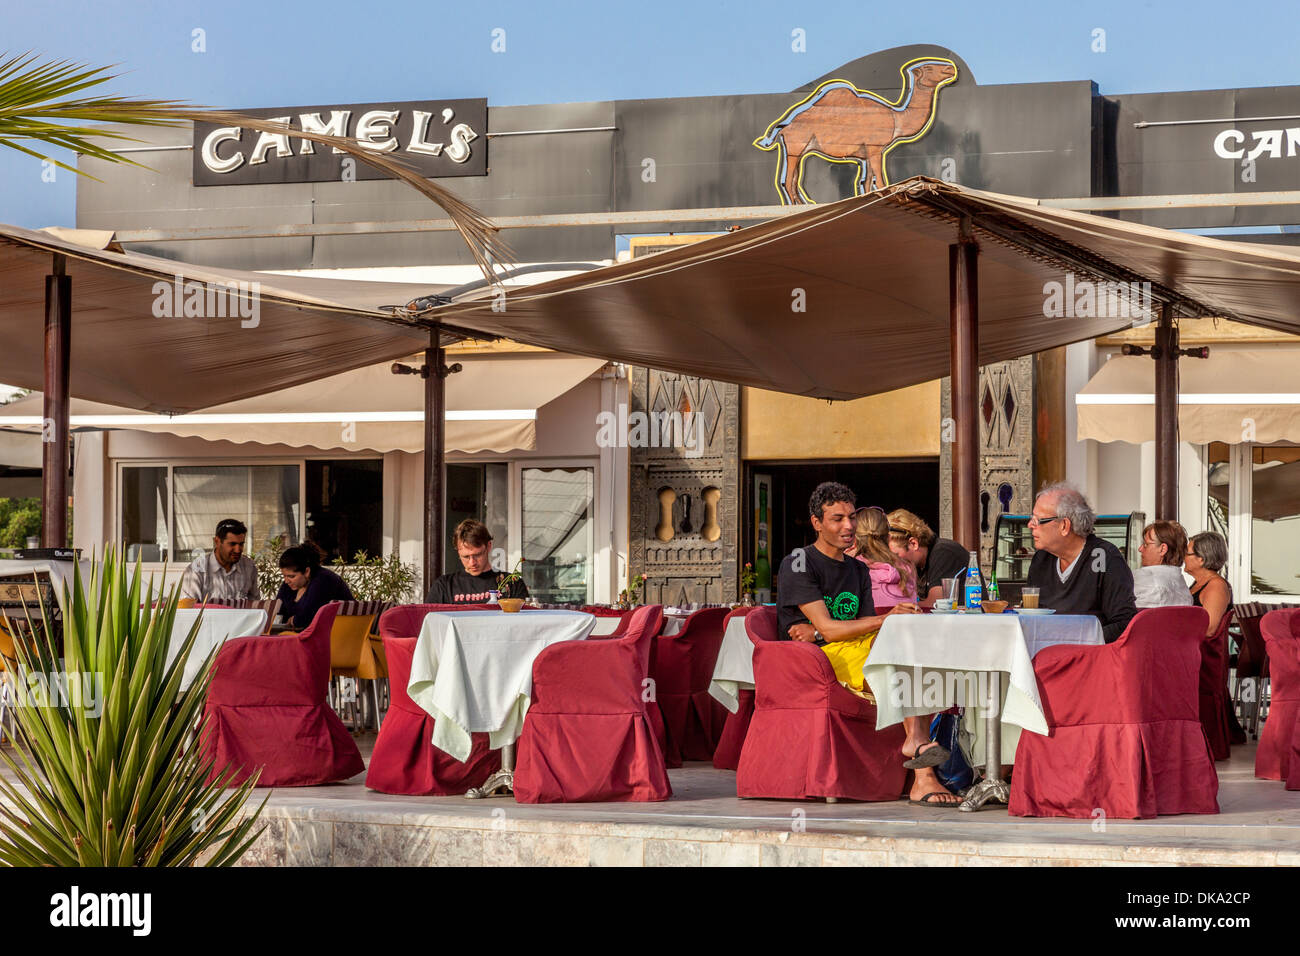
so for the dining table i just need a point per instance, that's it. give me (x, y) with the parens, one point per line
(922, 664)
(472, 671)
(216, 626)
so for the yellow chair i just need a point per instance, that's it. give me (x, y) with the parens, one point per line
(350, 651)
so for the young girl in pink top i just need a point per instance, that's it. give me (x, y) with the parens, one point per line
(893, 579)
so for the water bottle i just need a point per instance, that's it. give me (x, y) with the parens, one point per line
(993, 585)
(974, 583)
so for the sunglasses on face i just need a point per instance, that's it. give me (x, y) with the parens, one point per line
(1035, 520)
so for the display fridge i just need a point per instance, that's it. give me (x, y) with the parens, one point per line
(1013, 546)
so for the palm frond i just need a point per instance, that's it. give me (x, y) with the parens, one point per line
(36, 100)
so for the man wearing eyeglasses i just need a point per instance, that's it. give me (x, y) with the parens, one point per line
(1075, 571)
(226, 574)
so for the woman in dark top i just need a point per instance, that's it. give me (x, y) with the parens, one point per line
(307, 586)
(1206, 556)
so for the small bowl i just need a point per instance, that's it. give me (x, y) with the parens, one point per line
(994, 607)
(511, 605)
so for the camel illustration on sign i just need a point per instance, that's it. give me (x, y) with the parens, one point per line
(843, 124)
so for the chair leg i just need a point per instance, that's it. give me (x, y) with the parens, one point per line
(374, 697)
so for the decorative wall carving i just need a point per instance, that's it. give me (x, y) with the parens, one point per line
(684, 525)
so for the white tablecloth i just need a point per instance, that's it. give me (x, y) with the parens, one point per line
(734, 670)
(924, 663)
(473, 670)
(217, 626)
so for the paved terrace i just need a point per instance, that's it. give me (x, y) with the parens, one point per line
(706, 824)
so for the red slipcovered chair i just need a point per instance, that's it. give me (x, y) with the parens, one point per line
(404, 761)
(727, 754)
(810, 737)
(1125, 733)
(681, 670)
(1214, 689)
(266, 709)
(588, 735)
(1278, 756)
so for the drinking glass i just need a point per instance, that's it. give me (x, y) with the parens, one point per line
(1029, 598)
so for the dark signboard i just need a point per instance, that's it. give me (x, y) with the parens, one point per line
(436, 137)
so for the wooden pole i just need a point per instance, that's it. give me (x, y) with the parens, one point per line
(1166, 416)
(963, 293)
(435, 452)
(55, 425)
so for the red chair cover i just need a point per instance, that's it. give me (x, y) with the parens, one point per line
(727, 754)
(266, 708)
(1214, 689)
(588, 735)
(810, 737)
(682, 670)
(1278, 756)
(404, 761)
(1125, 733)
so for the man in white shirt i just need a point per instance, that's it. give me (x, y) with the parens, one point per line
(225, 575)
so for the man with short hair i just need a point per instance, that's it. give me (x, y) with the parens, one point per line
(825, 598)
(935, 558)
(1075, 571)
(474, 584)
(226, 574)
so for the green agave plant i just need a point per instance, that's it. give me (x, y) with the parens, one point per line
(109, 773)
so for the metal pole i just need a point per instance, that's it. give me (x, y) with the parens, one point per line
(963, 293)
(55, 427)
(435, 451)
(1166, 393)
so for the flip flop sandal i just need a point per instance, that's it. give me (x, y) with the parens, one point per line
(931, 756)
(925, 801)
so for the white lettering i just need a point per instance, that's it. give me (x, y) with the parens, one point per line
(375, 124)
(312, 123)
(226, 134)
(266, 140)
(418, 144)
(1221, 144)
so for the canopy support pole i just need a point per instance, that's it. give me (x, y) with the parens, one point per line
(963, 294)
(435, 454)
(1166, 353)
(55, 434)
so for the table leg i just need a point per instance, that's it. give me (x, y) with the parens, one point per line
(503, 779)
(992, 787)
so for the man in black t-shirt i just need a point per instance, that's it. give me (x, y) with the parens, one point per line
(825, 597)
(472, 585)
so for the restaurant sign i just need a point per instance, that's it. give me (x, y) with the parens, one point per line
(435, 137)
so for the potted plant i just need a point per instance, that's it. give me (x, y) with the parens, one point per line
(510, 589)
(107, 770)
(747, 579)
(627, 598)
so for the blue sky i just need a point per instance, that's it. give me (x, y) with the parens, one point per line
(284, 52)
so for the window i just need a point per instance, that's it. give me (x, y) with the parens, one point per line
(169, 511)
(1275, 519)
(481, 492)
(264, 497)
(558, 534)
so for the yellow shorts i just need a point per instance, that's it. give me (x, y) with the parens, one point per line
(848, 658)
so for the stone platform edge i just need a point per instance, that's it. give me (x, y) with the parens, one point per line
(303, 836)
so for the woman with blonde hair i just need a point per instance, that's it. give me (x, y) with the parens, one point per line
(893, 579)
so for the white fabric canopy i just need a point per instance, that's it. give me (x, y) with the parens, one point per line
(491, 406)
(1251, 395)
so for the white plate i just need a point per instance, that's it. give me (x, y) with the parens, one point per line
(1035, 610)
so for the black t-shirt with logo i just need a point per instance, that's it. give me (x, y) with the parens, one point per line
(844, 586)
(947, 559)
(460, 587)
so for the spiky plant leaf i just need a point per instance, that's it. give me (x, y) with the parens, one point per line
(128, 785)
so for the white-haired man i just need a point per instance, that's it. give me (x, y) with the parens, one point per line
(1075, 571)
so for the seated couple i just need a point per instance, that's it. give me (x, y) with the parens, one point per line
(827, 598)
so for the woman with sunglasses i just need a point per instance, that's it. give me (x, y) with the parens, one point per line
(893, 579)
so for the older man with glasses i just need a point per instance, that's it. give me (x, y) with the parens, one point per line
(1075, 571)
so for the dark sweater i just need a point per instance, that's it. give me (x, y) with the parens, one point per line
(1100, 583)
(323, 587)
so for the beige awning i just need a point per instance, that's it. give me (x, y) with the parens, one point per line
(851, 298)
(1232, 396)
(491, 406)
(125, 354)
